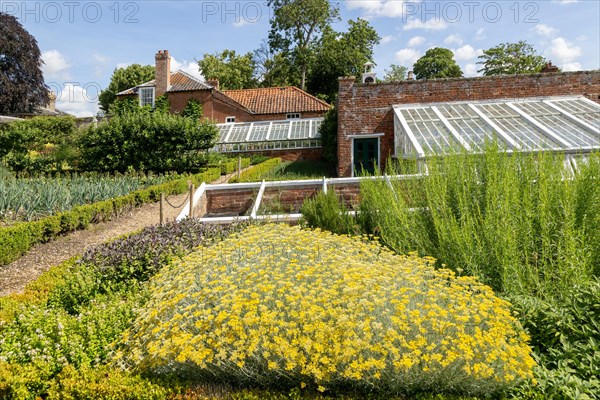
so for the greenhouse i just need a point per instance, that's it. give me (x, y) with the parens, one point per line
(269, 135)
(567, 124)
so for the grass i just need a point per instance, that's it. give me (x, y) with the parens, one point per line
(301, 169)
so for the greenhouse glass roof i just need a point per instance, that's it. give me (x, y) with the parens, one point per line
(570, 124)
(266, 131)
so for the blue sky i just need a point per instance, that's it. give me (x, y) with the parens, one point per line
(82, 42)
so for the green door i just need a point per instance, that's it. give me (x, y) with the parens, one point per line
(366, 155)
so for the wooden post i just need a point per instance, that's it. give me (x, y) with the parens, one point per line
(162, 206)
(239, 168)
(191, 214)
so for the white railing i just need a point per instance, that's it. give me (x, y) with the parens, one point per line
(322, 183)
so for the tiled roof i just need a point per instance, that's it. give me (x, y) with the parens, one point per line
(277, 100)
(180, 82)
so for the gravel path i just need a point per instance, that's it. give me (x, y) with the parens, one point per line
(15, 276)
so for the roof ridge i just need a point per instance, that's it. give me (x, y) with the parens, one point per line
(312, 96)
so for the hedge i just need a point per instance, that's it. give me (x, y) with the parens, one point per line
(16, 239)
(230, 166)
(256, 173)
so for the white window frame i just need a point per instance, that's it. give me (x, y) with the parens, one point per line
(141, 90)
(230, 120)
(293, 116)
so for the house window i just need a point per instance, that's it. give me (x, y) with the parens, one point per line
(292, 116)
(230, 120)
(147, 96)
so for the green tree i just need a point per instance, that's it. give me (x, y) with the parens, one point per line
(340, 54)
(273, 68)
(232, 70)
(510, 59)
(396, 73)
(22, 86)
(296, 26)
(437, 63)
(122, 79)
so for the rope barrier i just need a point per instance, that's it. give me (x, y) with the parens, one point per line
(179, 206)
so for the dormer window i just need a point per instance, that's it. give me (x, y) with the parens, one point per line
(147, 96)
(292, 116)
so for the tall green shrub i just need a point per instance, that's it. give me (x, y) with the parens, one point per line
(329, 212)
(146, 140)
(328, 131)
(39, 144)
(193, 109)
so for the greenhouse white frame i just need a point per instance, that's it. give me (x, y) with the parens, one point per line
(269, 135)
(569, 124)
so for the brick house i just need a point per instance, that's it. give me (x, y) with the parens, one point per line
(225, 106)
(371, 116)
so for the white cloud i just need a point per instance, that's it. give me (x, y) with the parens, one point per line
(480, 34)
(565, 1)
(466, 52)
(55, 66)
(240, 23)
(378, 8)
(416, 41)
(100, 64)
(564, 51)
(124, 65)
(572, 66)
(407, 56)
(191, 67)
(455, 38)
(79, 101)
(429, 25)
(471, 70)
(387, 39)
(545, 30)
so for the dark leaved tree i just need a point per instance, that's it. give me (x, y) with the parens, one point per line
(22, 86)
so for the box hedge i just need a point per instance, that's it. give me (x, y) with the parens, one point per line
(16, 239)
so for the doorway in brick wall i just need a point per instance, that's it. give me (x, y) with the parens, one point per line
(365, 155)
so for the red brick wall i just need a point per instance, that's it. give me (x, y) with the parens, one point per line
(230, 203)
(366, 108)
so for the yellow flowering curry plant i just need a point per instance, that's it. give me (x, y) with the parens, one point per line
(278, 305)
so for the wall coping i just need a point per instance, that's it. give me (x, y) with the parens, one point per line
(475, 78)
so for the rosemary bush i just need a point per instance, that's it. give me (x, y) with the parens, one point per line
(515, 221)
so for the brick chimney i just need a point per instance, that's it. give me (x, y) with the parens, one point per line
(163, 72)
(214, 83)
(549, 68)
